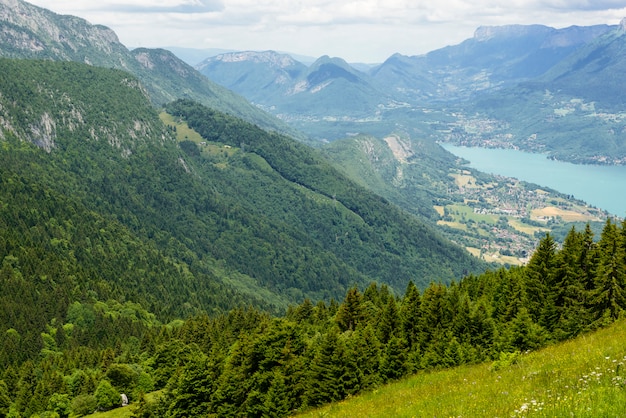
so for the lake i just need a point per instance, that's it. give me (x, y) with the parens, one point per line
(600, 186)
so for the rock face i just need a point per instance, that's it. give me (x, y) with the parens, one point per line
(33, 32)
(486, 33)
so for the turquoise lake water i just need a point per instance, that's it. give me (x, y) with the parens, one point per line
(600, 186)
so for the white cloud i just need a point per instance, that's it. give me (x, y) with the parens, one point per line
(358, 30)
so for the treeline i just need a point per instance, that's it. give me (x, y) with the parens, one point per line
(248, 363)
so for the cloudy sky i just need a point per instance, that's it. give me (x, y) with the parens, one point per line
(356, 30)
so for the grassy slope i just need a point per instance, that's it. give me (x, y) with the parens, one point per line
(584, 377)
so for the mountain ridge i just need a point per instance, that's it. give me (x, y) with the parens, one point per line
(37, 33)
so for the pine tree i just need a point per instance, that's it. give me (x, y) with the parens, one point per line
(540, 278)
(434, 312)
(277, 402)
(390, 323)
(194, 387)
(5, 399)
(393, 364)
(608, 298)
(365, 349)
(410, 315)
(569, 299)
(350, 313)
(522, 333)
(328, 371)
(588, 258)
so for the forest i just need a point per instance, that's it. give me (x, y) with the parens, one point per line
(240, 275)
(249, 363)
(112, 234)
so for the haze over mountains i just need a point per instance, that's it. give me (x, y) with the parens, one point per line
(557, 77)
(158, 232)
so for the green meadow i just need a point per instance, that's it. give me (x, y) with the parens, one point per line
(584, 377)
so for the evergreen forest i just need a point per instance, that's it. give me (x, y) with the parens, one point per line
(158, 250)
(247, 362)
(111, 230)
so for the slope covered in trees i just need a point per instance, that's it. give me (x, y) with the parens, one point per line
(372, 235)
(103, 215)
(248, 363)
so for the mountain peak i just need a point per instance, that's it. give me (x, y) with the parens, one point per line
(486, 33)
(622, 24)
(268, 57)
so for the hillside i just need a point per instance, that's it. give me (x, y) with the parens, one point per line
(582, 377)
(100, 203)
(246, 363)
(496, 218)
(32, 32)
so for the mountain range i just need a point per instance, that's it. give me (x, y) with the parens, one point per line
(103, 200)
(28, 31)
(564, 80)
(159, 232)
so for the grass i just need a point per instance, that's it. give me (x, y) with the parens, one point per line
(122, 412)
(455, 225)
(525, 228)
(183, 131)
(585, 377)
(566, 215)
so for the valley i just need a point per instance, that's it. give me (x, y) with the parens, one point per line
(258, 237)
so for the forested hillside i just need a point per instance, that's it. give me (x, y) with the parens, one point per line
(31, 32)
(247, 363)
(371, 235)
(109, 227)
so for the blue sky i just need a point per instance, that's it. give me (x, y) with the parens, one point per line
(356, 30)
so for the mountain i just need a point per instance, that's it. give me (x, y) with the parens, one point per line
(32, 32)
(572, 111)
(496, 56)
(484, 80)
(264, 77)
(591, 71)
(101, 204)
(327, 92)
(194, 56)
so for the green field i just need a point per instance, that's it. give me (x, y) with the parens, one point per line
(584, 377)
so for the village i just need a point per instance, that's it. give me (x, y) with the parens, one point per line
(501, 220)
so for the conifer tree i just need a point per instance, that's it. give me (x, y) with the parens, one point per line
(5, 398)
(588, 259)
(365, 350)
(350, 312)
(328, 371)
(410, 315)
(482, 329)
(393, 363)
(434, 312)
(522, 333)
(194, 387)
(277, 402)
(570, 295)
(608, 298)
(540, 278)
(390, 323)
